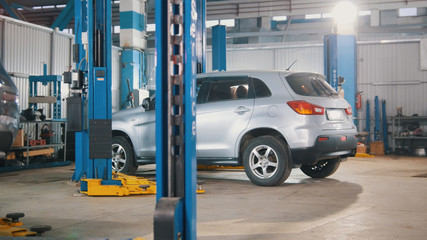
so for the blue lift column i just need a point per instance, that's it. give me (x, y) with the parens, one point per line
(93, 38)
(340, 61)
(219, 48)
(175, 214)
(133, 42)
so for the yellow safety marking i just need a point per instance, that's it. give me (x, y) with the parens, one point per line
(364, 155)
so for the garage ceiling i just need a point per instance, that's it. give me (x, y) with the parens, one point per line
(44, 12)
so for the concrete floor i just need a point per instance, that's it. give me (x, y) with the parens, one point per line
(367, 198)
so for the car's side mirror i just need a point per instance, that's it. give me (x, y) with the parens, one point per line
(146, 104)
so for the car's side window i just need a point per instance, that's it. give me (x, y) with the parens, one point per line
(261, 89)
(202, 89)
(228, 88)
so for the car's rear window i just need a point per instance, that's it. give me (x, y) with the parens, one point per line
(310, 85)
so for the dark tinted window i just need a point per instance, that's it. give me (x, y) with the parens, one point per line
(261, 90)
(310, 85)
(228, 88)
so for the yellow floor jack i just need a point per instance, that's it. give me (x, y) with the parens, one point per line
(122, 185)
(10, 226)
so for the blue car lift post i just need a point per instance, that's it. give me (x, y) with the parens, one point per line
(93, 62)
(175, 214)
(89, 110)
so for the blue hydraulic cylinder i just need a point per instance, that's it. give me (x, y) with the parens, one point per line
(368, 121)
(201, 36)
(377, 127)
(385, 126)
(340, 61)
(219, 61)
(131, 75)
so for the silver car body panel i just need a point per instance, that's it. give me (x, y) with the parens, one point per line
(221, 125)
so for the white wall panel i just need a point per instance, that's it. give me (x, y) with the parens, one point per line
(26, 47)
(309, 57)
(392, 72)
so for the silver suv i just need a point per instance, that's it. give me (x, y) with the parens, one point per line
(267, 121)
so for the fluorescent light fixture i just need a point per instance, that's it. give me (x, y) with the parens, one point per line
(407, 12)
(313, 16)
(365, 13)
(327, 15)
(211, 23)
(116, 29)
(151, 27)
(227, 22)
(280, 18)
(345, 12)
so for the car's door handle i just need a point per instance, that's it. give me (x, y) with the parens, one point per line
(241, 110)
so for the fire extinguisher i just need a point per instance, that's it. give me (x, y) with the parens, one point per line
(359, 100)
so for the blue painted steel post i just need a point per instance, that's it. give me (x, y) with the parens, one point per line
(368, 121)
(190, 19)
(340, 61)
(219, 54)
(132, 40)
(347, 68)
(97, 30)
(377, 120)
(131, 73)
(385, 126)
(330, 58)
(201, 36)
(175, 106)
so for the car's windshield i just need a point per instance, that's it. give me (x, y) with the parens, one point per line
(310, 85)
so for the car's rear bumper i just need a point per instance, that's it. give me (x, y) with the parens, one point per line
(325, 147)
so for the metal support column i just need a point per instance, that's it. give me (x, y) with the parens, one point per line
(93, 41)
(219, 48)
(340, 61)
(175, 216)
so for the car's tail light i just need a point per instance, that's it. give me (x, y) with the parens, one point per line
(349, 110)
(305, 108)
(9, 97)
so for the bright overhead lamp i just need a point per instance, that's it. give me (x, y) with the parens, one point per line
(345, 12)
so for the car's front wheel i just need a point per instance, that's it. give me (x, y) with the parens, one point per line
(266, 161)
(322, 169)
(122, 156)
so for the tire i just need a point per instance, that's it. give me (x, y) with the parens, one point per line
(122, 156)
(264, 170)
(322, 169)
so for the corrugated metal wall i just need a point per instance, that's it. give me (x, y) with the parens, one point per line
(26, 47)
(392, 72)
(308, 56)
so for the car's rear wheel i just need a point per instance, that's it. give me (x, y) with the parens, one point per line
(266, 161)
(122, 156)
(322, 169)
